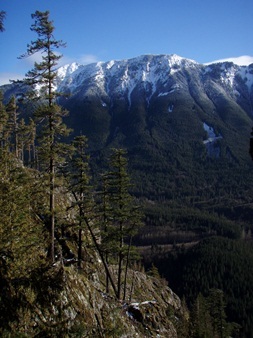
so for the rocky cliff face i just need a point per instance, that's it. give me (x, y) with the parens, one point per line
(150, 312)
(79, 307)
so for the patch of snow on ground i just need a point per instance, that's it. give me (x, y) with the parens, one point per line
(228, 75)
(67, 70)
(178, 60)
(207, 70)
(211, 134)
(170, 108)
(246, 76)
(110, 64)
(163, 94)
(99, 77)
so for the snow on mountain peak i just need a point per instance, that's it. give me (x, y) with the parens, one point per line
(149, 71)
(67, 70)
(143, 68)
(228, 74)
(178, 60)
(244, 60)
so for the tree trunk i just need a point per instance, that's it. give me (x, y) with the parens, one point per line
(52, 207)
(126, 268)
(120, 265)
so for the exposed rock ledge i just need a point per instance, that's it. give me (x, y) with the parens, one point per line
(86, 311)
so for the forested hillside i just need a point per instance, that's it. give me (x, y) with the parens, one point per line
(67, 264)
(101, 173)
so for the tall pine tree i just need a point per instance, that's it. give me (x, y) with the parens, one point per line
(42, 80)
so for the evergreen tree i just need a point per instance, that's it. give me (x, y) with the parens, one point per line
(12, 111)
(21, 139)
(79, 185)
(3, 123)
(22, 241)
(200, 320)
(217, 312)
(104, 210)
(30, 144)
(2, 17)
(42, 80)
(15, 135)
(121, 216)
(44, 74)
(77, 175)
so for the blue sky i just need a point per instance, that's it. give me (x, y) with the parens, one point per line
(103, 30)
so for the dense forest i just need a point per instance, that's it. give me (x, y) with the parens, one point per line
(62, 204)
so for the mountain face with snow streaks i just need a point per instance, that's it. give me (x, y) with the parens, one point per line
(160, 100)
(121, 102)
(186, 128)
(157, 74)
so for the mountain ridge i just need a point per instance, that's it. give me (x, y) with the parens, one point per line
(243, 60)
(100, 69)
(220, 94)
(148, 83)
(128, 97)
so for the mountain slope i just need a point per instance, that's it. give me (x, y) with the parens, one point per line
(186, 127)
(133, 96)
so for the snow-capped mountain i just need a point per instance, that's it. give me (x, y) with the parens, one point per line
(126, 100)
(122, 77)
(157, 75)
(186, 126)
(217, 95)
